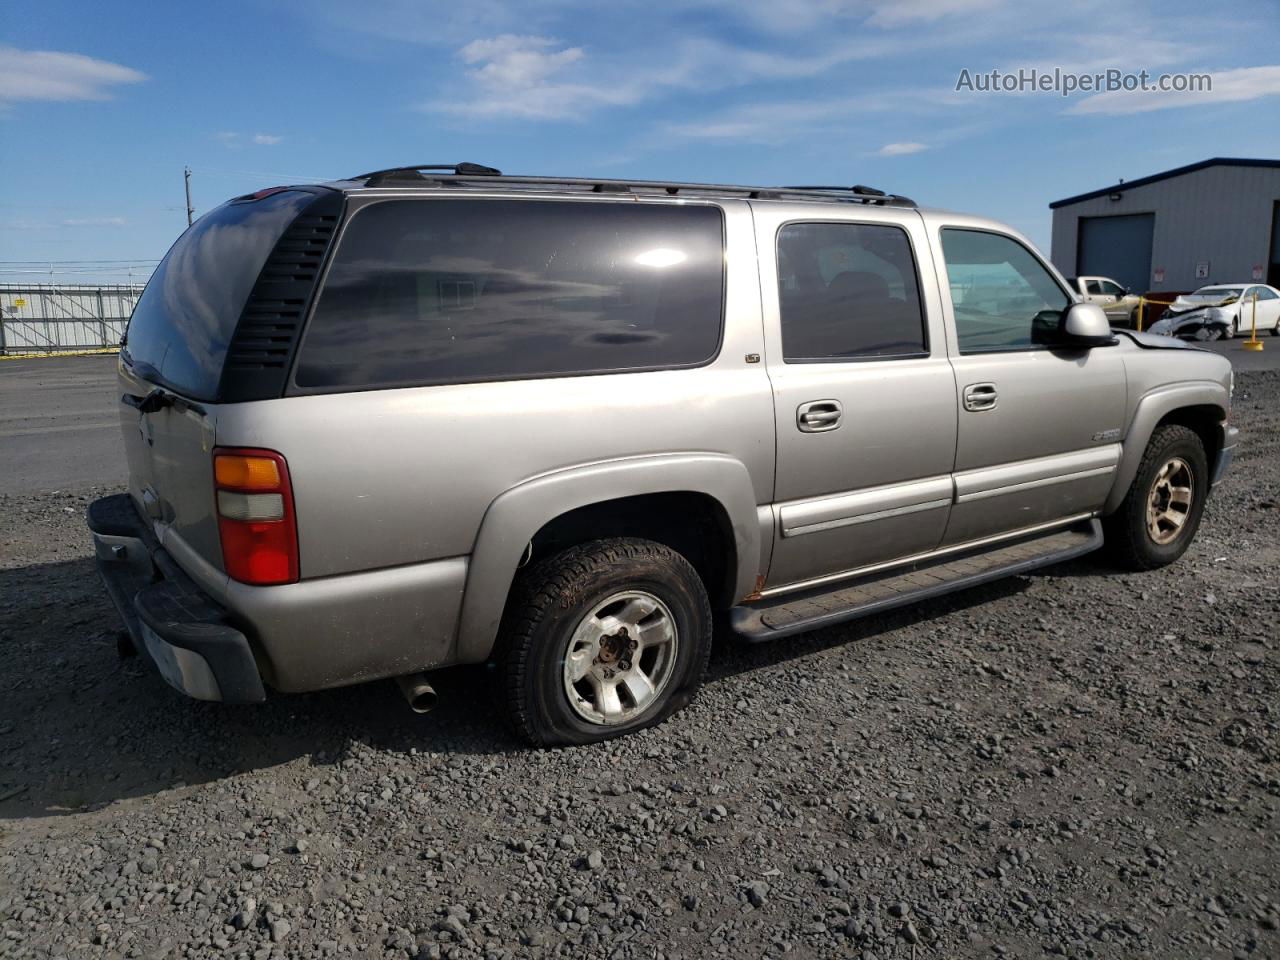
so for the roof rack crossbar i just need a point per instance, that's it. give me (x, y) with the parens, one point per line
(459, 175)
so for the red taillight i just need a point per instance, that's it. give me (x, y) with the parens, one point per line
(256, 522)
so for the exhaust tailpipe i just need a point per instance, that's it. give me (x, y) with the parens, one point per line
(418, 691)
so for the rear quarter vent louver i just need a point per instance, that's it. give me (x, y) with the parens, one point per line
(261, 351)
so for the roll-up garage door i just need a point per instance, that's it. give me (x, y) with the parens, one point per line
(1119, 248)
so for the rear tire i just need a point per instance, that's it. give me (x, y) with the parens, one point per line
(601, 640)
(1160, 514)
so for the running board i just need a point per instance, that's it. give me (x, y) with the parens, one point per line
(764, 620)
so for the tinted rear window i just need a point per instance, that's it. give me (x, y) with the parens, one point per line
(453, 291)
(188, 312)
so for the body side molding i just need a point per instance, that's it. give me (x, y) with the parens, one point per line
(1041, 471)
(828, 513)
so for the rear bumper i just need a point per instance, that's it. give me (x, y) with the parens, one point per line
(1226, 452)
(184, 632)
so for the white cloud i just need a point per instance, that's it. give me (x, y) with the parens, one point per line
(54, 76)
(1229, 86)
(513, 62)
(541, 78)
(532, 77)
(901, 149)
(95, 222)
(235, 139)
(566, 61)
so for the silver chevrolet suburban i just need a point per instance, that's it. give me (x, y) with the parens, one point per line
(436, 415)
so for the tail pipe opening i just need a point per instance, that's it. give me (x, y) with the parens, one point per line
(418, 691)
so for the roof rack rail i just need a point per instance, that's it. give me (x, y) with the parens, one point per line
(474, 174)
(463, 169)
(857, 188)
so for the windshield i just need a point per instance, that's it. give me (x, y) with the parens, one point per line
(1215, 294)
(187, 315)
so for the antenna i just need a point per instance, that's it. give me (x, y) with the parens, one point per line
(186, 180)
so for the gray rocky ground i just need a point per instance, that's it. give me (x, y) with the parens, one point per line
(1077, 763)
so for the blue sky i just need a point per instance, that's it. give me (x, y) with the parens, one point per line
(101, 105)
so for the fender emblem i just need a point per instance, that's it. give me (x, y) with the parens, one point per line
(1106, 436)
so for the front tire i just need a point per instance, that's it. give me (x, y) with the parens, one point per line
(1160, 514)
(601, 640)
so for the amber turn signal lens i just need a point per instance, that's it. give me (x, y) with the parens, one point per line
(246, 473)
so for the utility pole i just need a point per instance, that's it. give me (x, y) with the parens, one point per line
(186, 179)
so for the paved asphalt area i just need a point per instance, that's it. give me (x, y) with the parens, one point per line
(60, 429)
(59, 424)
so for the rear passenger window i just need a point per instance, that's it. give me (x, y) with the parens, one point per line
(452, 291)
(848, 291)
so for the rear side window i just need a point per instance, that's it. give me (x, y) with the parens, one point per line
(848, 291)
(185, 318)
(455, 291)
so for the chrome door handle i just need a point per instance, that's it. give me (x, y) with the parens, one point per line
(980, 396)
(818, 416)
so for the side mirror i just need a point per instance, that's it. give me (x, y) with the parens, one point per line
(1085, 325)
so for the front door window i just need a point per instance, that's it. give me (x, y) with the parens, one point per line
(1004, 298)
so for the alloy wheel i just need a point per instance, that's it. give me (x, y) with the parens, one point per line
(1170, 499)
(620, 657)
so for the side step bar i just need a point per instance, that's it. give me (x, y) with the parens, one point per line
(758, 622)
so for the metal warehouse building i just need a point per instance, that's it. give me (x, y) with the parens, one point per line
(1217, 221)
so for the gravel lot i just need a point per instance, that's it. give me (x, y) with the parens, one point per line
(1076, 763)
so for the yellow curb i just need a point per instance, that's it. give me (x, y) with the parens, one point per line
(59, 353)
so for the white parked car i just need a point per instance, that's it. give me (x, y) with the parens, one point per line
(1220, 311)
